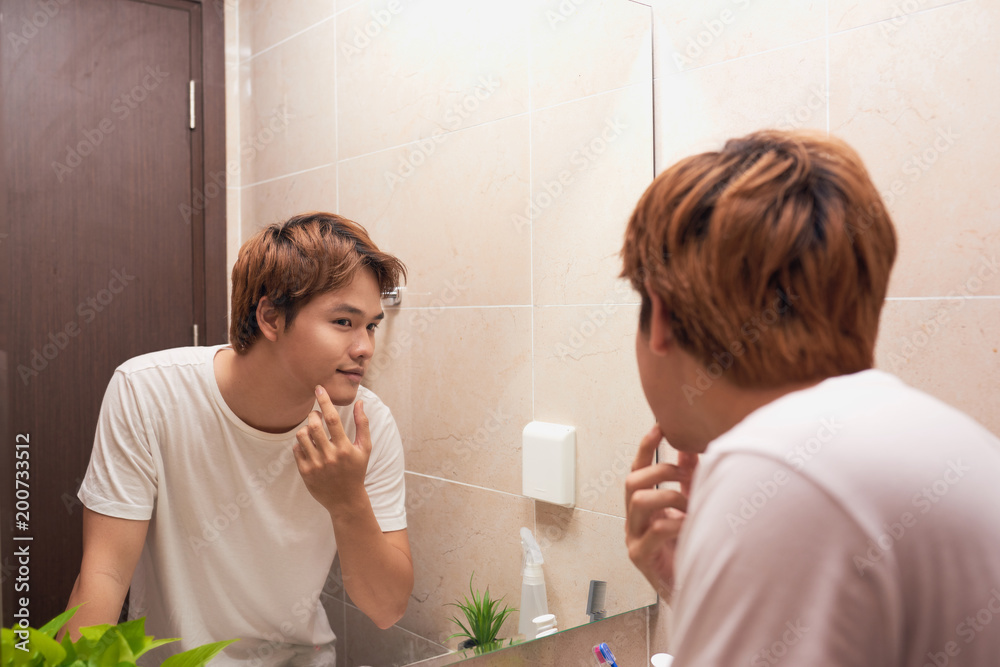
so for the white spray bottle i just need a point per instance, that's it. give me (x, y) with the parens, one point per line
(533, 600)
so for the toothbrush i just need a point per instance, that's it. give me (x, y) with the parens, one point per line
(608, 655)
(599, 655)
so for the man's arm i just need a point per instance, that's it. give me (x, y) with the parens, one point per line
(377, 568)
(111, 549)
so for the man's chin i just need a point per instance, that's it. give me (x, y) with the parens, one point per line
(341, 396)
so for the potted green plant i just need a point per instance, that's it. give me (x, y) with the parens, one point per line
(483, 618)
(99, 646)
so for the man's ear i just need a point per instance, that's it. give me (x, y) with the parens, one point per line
(270, 321)
(661, 336)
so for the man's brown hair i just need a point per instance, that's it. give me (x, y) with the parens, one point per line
(293, 261)
(772, 257)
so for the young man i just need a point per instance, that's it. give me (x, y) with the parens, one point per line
(828, 513)
(214, 486)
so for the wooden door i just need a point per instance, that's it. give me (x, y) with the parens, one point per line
(104, 245)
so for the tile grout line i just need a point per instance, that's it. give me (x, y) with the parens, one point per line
(287, 39)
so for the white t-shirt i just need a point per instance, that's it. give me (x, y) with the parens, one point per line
(237, 547)
(856, 522)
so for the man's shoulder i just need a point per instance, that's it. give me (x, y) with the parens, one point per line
(165, 359)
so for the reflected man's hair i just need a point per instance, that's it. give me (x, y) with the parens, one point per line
(293, 261)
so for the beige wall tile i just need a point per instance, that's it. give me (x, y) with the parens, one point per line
(366, 644)
(245, 14)
(456, 530)
(584, 48)
(274, 20)
(919, 107)
(578, 546)
(433, 65)
(893, 14)
(445, 208)
(591, 160)
(289, 123)
(233, 241)
(948, 347)
(698, 111)
(586, 376)
(459, 384)
(689, 34)
(280, 199)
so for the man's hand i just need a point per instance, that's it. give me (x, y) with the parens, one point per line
(654, 516)
(333, 468)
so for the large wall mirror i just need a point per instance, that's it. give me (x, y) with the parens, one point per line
(498, 149)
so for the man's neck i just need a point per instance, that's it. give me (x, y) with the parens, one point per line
(258, 392)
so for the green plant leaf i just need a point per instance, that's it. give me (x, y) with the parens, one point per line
(42, 649)
(139, 642)
(484, 615)
(55, 625)
(95, 632)
(196, 657)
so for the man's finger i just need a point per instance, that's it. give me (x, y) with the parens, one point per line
(647, 448)
(687, 462)
(331, 417)
(304, 450)
(647, 504)
(658, 473)
(363, 438)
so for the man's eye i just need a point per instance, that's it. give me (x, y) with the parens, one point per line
(373, 326)
(345, 323)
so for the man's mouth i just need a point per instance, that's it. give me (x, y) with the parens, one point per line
(354, 374)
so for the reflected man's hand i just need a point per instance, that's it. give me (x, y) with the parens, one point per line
(654, 516)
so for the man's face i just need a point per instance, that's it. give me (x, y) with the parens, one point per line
(660, 375)
(332, 339)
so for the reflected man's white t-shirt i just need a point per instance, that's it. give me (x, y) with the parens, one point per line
(856, 522)
(237, 547)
